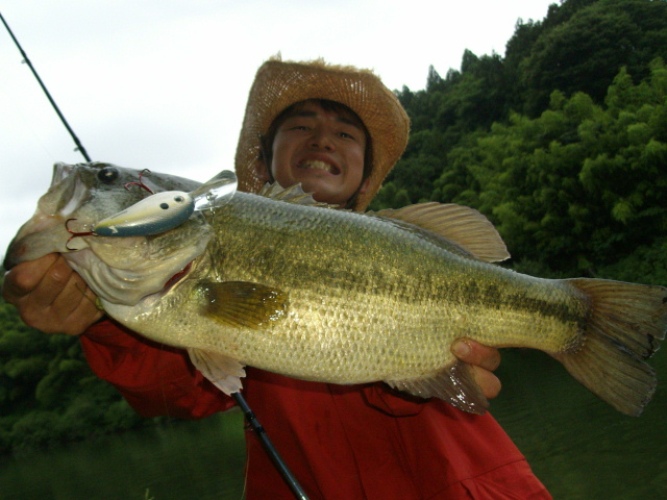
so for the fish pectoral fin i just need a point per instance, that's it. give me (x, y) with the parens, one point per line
(461, 225)
(242, 304)
(224, 372)
(454, 384)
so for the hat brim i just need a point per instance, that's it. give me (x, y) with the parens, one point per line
(280, 84)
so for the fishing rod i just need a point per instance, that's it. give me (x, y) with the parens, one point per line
(263, 437)
(250, 417)
(79, 146)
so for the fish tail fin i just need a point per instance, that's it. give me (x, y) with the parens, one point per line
(626, 325)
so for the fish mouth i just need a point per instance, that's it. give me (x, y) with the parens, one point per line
(46, 231)
(177, 277)
(318, 164)
(39, 236)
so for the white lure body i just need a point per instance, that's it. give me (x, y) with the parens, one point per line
(154, 215)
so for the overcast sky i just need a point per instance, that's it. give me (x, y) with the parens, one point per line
(162, 84)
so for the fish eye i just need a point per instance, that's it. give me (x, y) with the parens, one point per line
(164, 206)
(179, 199)
(108, 175)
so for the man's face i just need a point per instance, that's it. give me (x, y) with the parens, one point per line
(323, 151)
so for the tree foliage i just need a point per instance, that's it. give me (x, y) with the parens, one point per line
(586, 52)
(561, 142)
(48, 394)
(581, 185)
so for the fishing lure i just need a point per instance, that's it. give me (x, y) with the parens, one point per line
(161, 212)
(153, 215)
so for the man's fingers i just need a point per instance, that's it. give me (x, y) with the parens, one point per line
(58, 279)
(476, 354)
(23, 278)
(483, 361)
(50, 296)
(487, 381)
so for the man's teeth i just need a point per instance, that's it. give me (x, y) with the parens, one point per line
(317, 165)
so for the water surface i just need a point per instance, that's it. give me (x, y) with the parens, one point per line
(577, 445)
(201, 459)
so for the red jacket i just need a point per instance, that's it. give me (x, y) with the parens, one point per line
(344, 442)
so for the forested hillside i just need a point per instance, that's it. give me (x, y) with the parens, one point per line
(561, 142)
(48, 395)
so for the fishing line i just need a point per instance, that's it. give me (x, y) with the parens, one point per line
(254, 424)
(77, 142)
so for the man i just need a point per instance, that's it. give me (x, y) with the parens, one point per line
(337, 131)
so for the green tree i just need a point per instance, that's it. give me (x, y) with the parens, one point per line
(581, 185)
(48, 394)
(584, 53)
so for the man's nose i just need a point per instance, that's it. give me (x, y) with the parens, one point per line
(322, 139)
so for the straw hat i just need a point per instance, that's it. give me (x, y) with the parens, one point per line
(280, 84)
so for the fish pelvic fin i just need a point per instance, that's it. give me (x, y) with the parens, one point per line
(243, 304)
(626, 325)
(224, 372)
(463, 226)
(454, 384)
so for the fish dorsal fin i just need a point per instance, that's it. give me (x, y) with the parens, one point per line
(224, 372)
(216, 191)
(455, 385)
(461, 225)
(242, 304)
(293, 194)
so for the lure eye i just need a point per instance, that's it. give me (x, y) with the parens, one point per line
(177, 199)
(108, 175)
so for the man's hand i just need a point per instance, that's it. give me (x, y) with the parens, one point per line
(50, 296)
(484, 361)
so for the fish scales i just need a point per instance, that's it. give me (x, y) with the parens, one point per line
(335, 296)
(370, 271)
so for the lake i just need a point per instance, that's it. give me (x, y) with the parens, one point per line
(578, 446)
(198, 459)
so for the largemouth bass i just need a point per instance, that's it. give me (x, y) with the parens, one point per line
(340, 297)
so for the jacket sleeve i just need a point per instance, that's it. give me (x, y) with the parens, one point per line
(154, 379)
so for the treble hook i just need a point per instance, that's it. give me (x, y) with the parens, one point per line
(140, 183)
(74, 234)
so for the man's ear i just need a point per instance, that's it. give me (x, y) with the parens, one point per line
(262, 172)
(364, 185)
